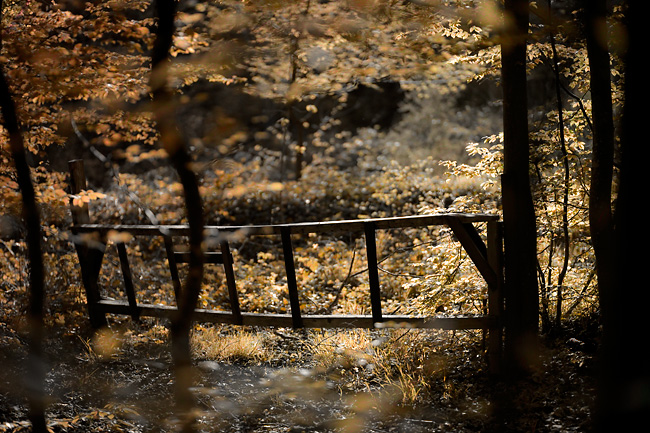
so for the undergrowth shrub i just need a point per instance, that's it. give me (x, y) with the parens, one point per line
(404, 361)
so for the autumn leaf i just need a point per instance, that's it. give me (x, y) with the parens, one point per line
(85, 197)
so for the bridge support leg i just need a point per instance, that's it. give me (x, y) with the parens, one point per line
(373, 271)
(230, 281)
(90, 251)
(495, 295)
(294, 300)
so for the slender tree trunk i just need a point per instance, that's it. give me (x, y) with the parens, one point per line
(522, 301)
(175, 146)
(36, 362)
(601, 220)
(600, 195)
(567, 179)
(623, 403)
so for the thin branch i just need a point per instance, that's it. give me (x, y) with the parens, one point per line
(567, 178)
(114, 173)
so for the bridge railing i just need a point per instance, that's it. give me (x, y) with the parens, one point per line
(486, 256)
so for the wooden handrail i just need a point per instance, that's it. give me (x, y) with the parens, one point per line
(358, 225)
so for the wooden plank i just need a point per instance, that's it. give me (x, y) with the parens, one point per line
(90, 255)
(308, 321)
(495, 295)
(472, 243)
(383, 223)
(292, 285)
(173, 267)
(373, 271)
(128, 279)
(90, 262)
(213, 257)
(80, 214)
(298, 228)
(470, 232)
(136, 229)
(230, 281)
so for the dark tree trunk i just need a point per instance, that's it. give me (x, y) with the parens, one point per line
(36, 362)
(175, 146)
(623, 402)
(521, 291)
(601, 220)
(36, 368)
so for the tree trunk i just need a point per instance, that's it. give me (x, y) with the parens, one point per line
(601, 221)
(36, 361)
(521, 290)
(600, 195)
(176, 148)
(623, 402)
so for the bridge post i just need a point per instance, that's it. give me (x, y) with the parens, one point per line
(373, 271)
(495, 295)
(292, 285)
(230, 281)
(90, 256)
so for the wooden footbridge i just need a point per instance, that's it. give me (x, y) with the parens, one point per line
(486, 256)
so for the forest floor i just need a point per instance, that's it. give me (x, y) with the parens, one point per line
(132, 390)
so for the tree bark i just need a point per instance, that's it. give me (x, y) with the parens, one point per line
(600, 195)
(623, 402)
(36, 362)
(521, 290)
(175, 145)
(601, 220)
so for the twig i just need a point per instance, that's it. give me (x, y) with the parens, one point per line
(345, 280)
(114, 173)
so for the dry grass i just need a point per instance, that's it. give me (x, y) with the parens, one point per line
(407, 363)
(402, 360)
(234, 345)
